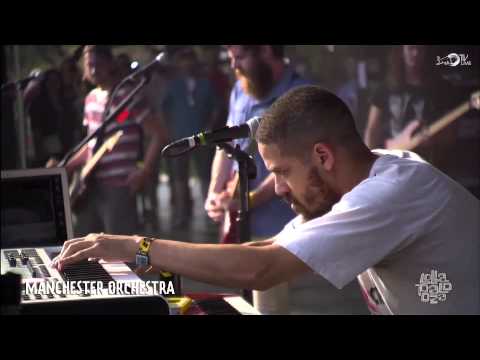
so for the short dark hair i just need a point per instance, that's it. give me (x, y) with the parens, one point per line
(304, 116)
(101, 50)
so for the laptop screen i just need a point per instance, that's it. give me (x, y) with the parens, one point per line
(35, 208)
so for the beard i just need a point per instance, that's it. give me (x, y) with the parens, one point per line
(318, 198)
(258, 82)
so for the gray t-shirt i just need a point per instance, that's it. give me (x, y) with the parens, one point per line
(409, 233)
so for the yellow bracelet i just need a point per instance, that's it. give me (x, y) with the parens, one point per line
(142, 258)
(145, 246)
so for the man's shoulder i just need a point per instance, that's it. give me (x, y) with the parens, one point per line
(396, 175)
(379, 95)
(92, 94)
(239, 96)
(400, 165)
(95, 100)
(408, 179)
(237, 88)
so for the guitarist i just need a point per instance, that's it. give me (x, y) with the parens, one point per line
(412, 98)
(120, 174)
(262, 77)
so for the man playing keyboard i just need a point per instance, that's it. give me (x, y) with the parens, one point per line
(387, 218)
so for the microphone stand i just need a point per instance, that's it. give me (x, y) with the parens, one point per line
(247, 170)
(107, 119)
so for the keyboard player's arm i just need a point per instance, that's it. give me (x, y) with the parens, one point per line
(260, 243)
(235, 266)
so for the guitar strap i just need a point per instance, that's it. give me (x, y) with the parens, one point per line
(101, 135)
(127, 124)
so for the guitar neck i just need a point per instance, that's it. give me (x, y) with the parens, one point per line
(438, 125)
(107, 146)
(92, 162)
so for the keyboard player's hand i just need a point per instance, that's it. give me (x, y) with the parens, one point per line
(98, 246)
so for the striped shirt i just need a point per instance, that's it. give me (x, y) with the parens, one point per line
(115, 166)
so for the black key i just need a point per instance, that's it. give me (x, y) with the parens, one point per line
(25, 259)
(44, 271)
(86, 271)
(30, 252)
(12, 261)
(11, 253)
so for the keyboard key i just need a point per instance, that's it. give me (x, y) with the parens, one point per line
(217, 307)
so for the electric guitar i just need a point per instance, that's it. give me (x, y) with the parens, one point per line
(407, 141)
(78, 185)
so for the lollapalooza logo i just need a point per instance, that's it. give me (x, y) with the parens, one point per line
(433, 287)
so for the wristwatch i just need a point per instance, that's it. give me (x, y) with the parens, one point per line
(142, 258)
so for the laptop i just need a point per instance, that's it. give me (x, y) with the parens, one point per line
(35, 208)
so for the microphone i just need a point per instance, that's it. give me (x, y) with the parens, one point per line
(226, 134)
(23, 82)
(147, 68)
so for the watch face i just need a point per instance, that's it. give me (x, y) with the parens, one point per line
(141, 260)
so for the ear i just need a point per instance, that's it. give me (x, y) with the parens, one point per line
(323, 156)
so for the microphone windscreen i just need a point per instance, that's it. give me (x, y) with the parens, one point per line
(253, 124)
